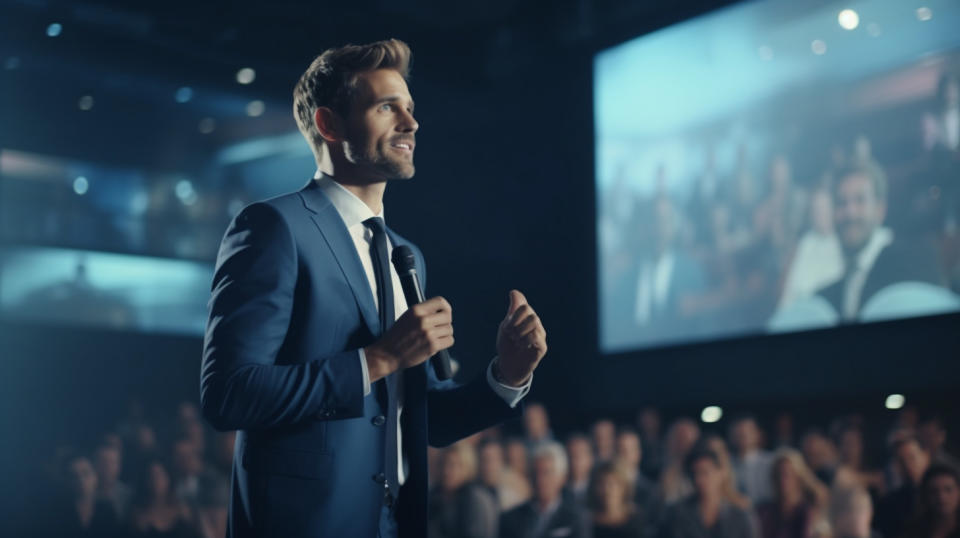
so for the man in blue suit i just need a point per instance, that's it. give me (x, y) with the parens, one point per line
(311, 352)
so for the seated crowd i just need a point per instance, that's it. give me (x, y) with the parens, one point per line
(625, 480)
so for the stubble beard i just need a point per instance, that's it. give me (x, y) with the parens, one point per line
(375, 158)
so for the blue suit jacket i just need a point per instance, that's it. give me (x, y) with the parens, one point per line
(290, 308)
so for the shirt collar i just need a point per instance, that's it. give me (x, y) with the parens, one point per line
(351, 209)
(879, 240)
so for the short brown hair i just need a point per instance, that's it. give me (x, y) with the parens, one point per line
(873, 172)
(331, 79)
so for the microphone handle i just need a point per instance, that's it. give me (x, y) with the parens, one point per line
(414, 295)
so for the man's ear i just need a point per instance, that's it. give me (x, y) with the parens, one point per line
(328, 123)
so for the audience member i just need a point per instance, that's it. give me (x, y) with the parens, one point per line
(674, 482)
(549, 513)
(536, 424)
(459, 507)
(873, 260)
(850, 444)
(818, 260)
(901, 504)
(580, 453)
(730, 492)
(191, 475)
(799, 499)
(648, 421)
(518, 459)
(850, 513)
(508, 488)
(933, 436)
(109, 464)
(629, 454)
(821, 455)
(939, 512)
(751, 464)
(614, 513)
(783, 431)
(706, 513)
(604, 439)
(156, 512)
(77, 511)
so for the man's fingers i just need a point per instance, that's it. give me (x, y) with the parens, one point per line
(517, 300)
(519, 315)
(436, 320)
(432, 305)
(526, 326)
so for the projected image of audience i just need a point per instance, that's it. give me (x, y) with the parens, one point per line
(778, 167)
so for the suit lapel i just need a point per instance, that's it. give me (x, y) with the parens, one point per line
(335, 233)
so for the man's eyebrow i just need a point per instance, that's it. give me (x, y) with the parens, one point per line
(391, 99)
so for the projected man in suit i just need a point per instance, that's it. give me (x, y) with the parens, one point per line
(873, 259)
(310, 350)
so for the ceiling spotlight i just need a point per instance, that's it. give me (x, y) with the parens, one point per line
(183, 94)
(255, 108)
(711, 414)
(54, 29)
(848, 19)
(81, 185)
(85, 103)
(246, 75)
(818, 47)
(207, 125)
(895, 401)
(924, 14)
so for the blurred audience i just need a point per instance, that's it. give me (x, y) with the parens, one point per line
(495, 485)
(536, 424)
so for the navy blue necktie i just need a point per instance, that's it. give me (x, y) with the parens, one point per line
(381, 269)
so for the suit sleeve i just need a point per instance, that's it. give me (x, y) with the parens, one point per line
(241, 386)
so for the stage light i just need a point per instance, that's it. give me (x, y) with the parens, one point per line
(924, 14)
(85, 102)
(185, 192)
(895, 401)
(207, 125)
(848, 19)
(255, 108)
(81, 185)
(711, 414)
(54, 29)
(819, 47)
(183, 94)
(765, 53)
(874, 29)
(246, 75)
(12, 63)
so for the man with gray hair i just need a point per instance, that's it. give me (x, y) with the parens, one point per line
(549, 512)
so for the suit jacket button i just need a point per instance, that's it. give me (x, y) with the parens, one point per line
(379, 420)
(380, 478)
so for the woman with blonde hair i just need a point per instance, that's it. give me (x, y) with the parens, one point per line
(799, 499)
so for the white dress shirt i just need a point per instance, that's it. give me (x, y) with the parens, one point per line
(354, 211)
(862, 264)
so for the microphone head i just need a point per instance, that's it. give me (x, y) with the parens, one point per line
(403, 259)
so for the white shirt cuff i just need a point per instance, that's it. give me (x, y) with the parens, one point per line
(511, 395)
(366, 373)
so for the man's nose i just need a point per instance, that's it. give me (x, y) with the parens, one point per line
(407, 123)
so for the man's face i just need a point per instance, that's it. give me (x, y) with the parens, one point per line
(108, 464)
(944, 495)
(628, 449)
(858, 211)
(548, 479)
(535, 422)
(581, 458)
(707, 477)
(913, 460)
(379, 128)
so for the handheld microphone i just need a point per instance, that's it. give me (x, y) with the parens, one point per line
(405, 263)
